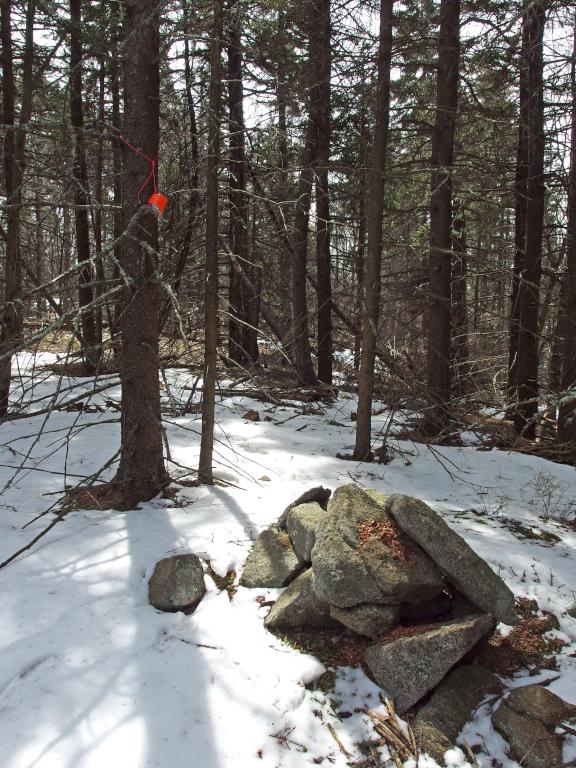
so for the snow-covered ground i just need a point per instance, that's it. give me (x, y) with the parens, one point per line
(91, 676)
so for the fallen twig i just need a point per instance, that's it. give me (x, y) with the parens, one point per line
(337, 740)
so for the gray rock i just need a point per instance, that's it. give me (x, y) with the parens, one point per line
(351, 568)
(409, 667)
(541, 704)
(272, 561)
(438, 723)
(301, 526)
(341, 577)
(177, 584)
(533, 744)
(368, 619)
(299, 608)
(317, 494)
(461, 566)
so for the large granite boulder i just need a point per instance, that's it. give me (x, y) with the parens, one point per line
(408, 668)
(272, 561)
(461, 566)
(361, 557)
(301, 525)
(369, 619)
(177, 584)
(438, 723)
(299, 608)
(319, 494)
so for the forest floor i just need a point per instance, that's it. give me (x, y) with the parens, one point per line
(91, 675)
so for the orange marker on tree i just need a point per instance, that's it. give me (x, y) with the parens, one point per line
(157, 200)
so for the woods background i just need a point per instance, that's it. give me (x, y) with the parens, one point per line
(381, 197)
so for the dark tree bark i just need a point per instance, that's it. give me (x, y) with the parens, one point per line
(520, 204)
(66, 255)
(300, 340)
(205, 474)
(321, 55)
(361, 249)
(439, 280)
(558, 341)
(194, 199)
(567, 413)
(529, 289)
(13, 151)
(99, 199)
(39, 253)
(242, 333)
(90, 347)
(362, 448)
(459, 356)
(141, 473)
(116, 149)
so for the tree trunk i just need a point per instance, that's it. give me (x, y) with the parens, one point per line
(439, 281)
(361, 249)
(13, 152)
(99, 199)
(320, 54)
(194, 199)
(362, 448)
(116, 158)
(66, 259)
(90, 349)
(567, 413)
(283, 191)
(39, 254)
(459, 356)
(205, 474)
(300, 338)
(191, 221)
(242, 335)
(141, 473)
(520, 203)
(529, 290)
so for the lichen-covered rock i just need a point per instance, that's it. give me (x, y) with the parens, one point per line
(272, 561)
(461, 566)
(299, 608)
(177, 584)
(318, 494)
(361, 557)
(438, 723)
(301, 527)
(377, 496)
(408, 668)
(369, 619)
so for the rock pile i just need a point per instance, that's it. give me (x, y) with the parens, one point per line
(386, 568)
